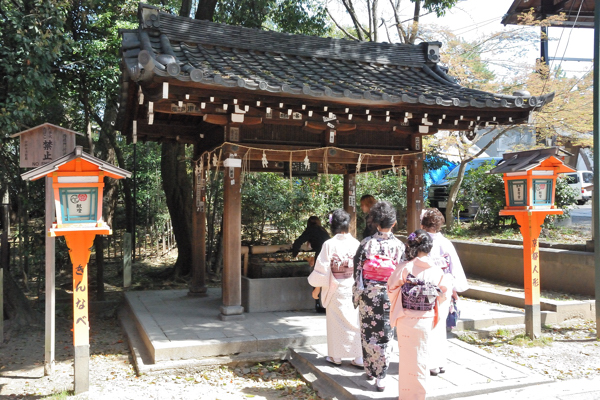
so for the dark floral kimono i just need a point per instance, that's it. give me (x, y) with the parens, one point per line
(370, 296)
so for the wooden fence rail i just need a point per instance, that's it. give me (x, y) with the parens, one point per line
(151, 241)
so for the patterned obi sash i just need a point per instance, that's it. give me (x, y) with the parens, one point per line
(419, 295)
(378, 268)
(342, 268)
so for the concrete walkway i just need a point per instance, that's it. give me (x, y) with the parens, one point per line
(168, 329)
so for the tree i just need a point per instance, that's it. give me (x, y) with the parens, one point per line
(460, 142)
(406, 29)
(566, 116)
(32, 42)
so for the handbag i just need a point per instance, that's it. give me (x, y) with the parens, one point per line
(453, 315)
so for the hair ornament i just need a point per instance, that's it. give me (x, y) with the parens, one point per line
(412, 237)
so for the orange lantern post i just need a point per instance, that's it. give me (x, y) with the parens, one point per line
(530, 185)
(77, 183)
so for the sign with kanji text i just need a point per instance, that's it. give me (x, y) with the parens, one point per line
(44, 144)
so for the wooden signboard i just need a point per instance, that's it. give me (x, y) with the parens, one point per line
(44, 144)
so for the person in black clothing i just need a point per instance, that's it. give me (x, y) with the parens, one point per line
(366, 202)
(316, 235)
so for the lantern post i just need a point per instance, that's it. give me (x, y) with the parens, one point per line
(77, 185)
(530, 186)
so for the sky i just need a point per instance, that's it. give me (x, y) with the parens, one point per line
(471, 18)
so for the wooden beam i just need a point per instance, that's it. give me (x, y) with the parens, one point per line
(280, 153)
(215, 119)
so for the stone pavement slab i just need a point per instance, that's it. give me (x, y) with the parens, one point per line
(573, 389)
(168, 329)
(470, 371)
(174, 326)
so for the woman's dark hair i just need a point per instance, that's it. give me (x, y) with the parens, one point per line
(418, 241)
(313, 221)
(340, 221)
(432, 218)
(383, 214)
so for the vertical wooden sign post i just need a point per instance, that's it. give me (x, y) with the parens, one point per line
(77, 183)
(350, 200)
(4, 258)
(39, 146)
(530, 184)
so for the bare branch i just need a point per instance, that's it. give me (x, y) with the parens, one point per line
(387, 31)
(401, 33)
(340, 27)
(359, 28)
(374, 30)
(370, 19)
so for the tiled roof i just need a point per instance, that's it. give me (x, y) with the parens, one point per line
(208, 53)
(526, 160)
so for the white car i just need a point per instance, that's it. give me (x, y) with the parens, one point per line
(581, 182)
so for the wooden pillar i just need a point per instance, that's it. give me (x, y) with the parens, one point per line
(198, 283)
(50, 324)
(232, 240)
(414, 195)
(350, 200)
(4, 259)
(531, 226)
(80, 245)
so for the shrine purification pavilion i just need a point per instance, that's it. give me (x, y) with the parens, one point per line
(256, 100)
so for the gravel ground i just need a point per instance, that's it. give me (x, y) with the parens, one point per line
(112, 375)
(564, 351)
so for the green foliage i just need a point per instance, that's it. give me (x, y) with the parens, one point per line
(271, 204)
(564, 199)
(306, 17)
(487, 191)
(439, 7)
(151, 207)
(384, 186)
(32, 43)
(484, 189)
(275, 212)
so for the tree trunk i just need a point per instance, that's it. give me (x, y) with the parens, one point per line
(463, 165)
(17, 309)
(415, 23)
(205, 10)
(106, 151)
(178, 193)
(99, 244)
(454, 193)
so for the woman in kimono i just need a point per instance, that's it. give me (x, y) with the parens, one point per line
(415, 288)
(332, 276)
(432, 221)
(374, 262)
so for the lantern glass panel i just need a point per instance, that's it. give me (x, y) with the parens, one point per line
(542, 192)
(517, 192)
(79, 205)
